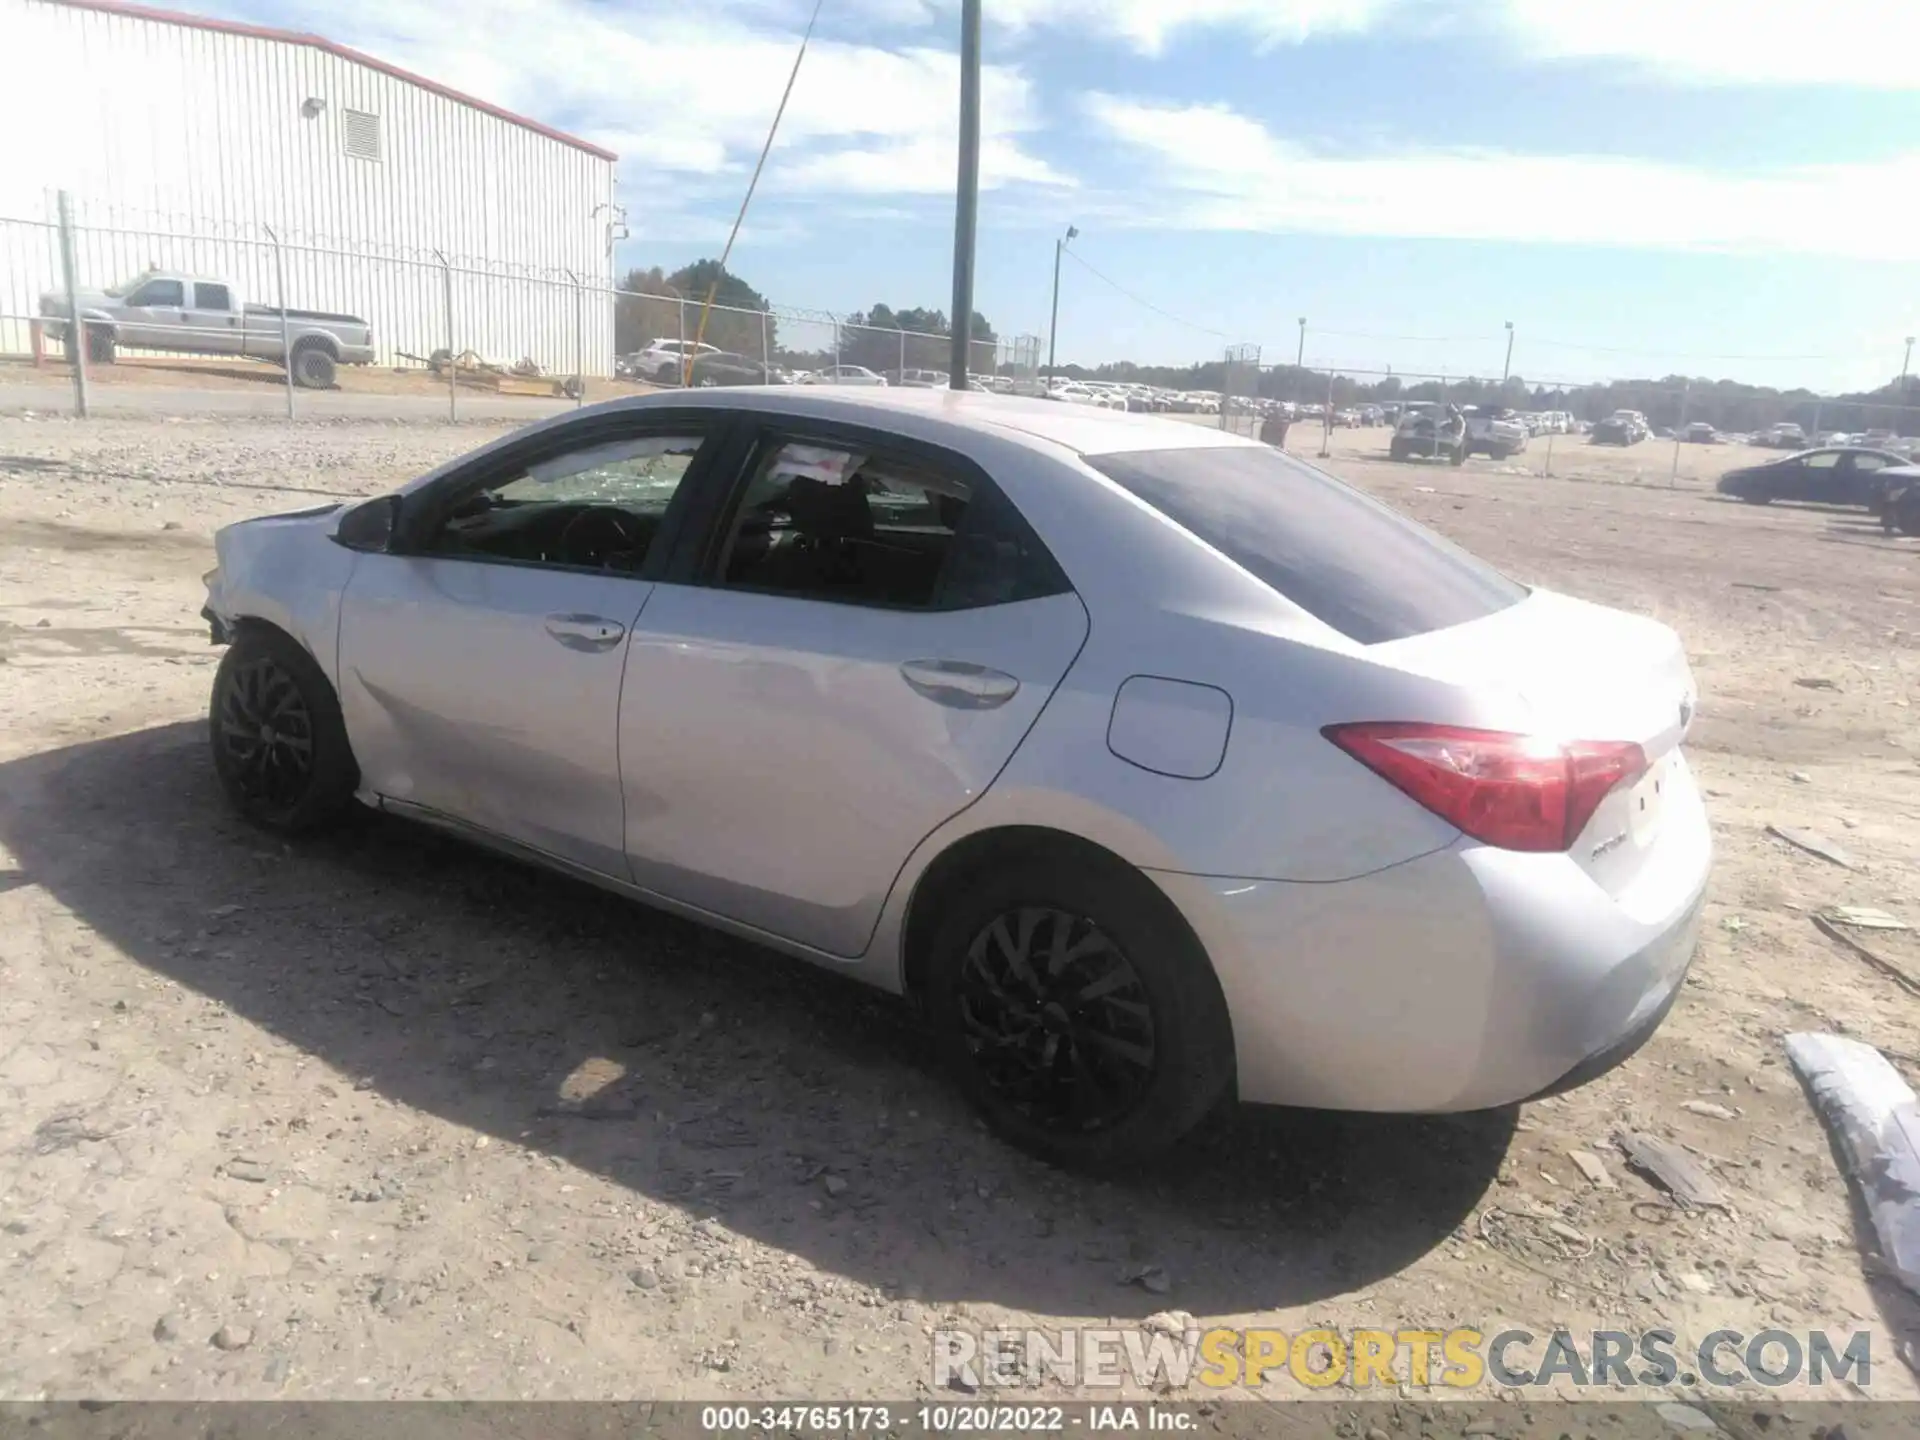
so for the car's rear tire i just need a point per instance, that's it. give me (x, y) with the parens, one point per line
(279, 743)
(1076, 1010)
(313, 365)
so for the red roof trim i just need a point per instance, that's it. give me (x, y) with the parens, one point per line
(295, 37)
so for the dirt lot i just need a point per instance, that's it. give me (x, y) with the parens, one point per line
(381, 1117)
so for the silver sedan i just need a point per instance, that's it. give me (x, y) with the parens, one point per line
(1154, 765)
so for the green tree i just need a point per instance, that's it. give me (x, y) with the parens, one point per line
(660, 306)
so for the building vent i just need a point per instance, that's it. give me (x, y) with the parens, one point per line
(362, 131)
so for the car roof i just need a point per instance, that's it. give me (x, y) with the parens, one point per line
(1081, 429)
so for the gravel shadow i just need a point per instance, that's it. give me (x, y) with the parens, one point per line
(472, 988)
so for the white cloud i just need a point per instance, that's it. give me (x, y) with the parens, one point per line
(684, 93)
(1212, 168)
(1864, 44)
(1148, 25)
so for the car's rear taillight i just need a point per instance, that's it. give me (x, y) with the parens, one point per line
(1519, 792)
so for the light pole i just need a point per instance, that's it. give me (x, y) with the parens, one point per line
(1506, 370)
(966, 200)
(1300, 355)
(1053, 325)
(1906, 364)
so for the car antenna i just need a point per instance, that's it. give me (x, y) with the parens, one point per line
(706, 305)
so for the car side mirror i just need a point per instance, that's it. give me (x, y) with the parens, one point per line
(372, 527)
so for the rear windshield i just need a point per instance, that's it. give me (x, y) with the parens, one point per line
(1341, 556)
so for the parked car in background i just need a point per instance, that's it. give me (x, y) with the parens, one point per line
(721, 367)
(1430, 431)
(844, 375)
(1623, 427)
(197, 315)
(1785, 435)
(988, 705)
(1850, 476)
(920, 379)
(1495, 431)
(664, 361)
(1701, 433)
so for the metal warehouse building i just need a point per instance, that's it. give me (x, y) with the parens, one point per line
(230, 150)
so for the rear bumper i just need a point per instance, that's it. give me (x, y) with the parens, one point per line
(1466, 979)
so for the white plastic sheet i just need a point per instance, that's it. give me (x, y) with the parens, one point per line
(1874, 1114)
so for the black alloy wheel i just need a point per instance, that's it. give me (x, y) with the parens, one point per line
(279, 743)
(1059, 1025)
(265, 728)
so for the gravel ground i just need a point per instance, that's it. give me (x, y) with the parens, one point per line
(382, 1117)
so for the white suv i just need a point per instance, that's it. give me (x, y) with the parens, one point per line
(664, 361)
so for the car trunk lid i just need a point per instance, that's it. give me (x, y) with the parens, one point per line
(1562, 668)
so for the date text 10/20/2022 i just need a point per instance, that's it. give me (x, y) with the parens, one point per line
(959, 1419)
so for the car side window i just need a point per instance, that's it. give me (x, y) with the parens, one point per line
(595, 506)
(158, 292)
(1821, 460)
(842, 524)
(211, 297)
(1869, 462)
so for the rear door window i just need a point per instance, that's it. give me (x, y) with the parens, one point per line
(1341, 556)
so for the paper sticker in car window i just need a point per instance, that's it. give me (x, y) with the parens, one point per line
(815, 462)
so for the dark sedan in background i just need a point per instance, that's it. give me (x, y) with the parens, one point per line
(1839, 475)
(722, 367)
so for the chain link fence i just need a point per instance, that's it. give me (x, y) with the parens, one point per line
(232, 297)
(212, 302)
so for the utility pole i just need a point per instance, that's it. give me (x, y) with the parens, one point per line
(1906, 365)
(966, 199)
(1053, 326)
(1506, 370)
(1300, 355)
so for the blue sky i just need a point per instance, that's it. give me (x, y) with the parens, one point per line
(1643, 187)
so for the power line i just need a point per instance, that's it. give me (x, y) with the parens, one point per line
(1074, 256)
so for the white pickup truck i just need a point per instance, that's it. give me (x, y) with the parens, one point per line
(164, 310)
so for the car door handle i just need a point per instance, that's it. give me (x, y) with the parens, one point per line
(960, 683)
(585, 632)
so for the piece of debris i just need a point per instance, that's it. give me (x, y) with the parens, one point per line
(165, 1329)
(251, 1171)
(1684, 1417)
(1864, 917)
(1696, 1282)
(1814, 845)
(1588, 1164)
(1800, 777)
(1709, 1109)
(1874, 1115)
(1567, 1232)
(1886, 967)
(834, 1185)
(1733, 923)
(1815, 682)
(1755, 585)
(1151, 1278)
(1676, 1171)
(1169, 1322)
(232, 1337)
(1482, 1427)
